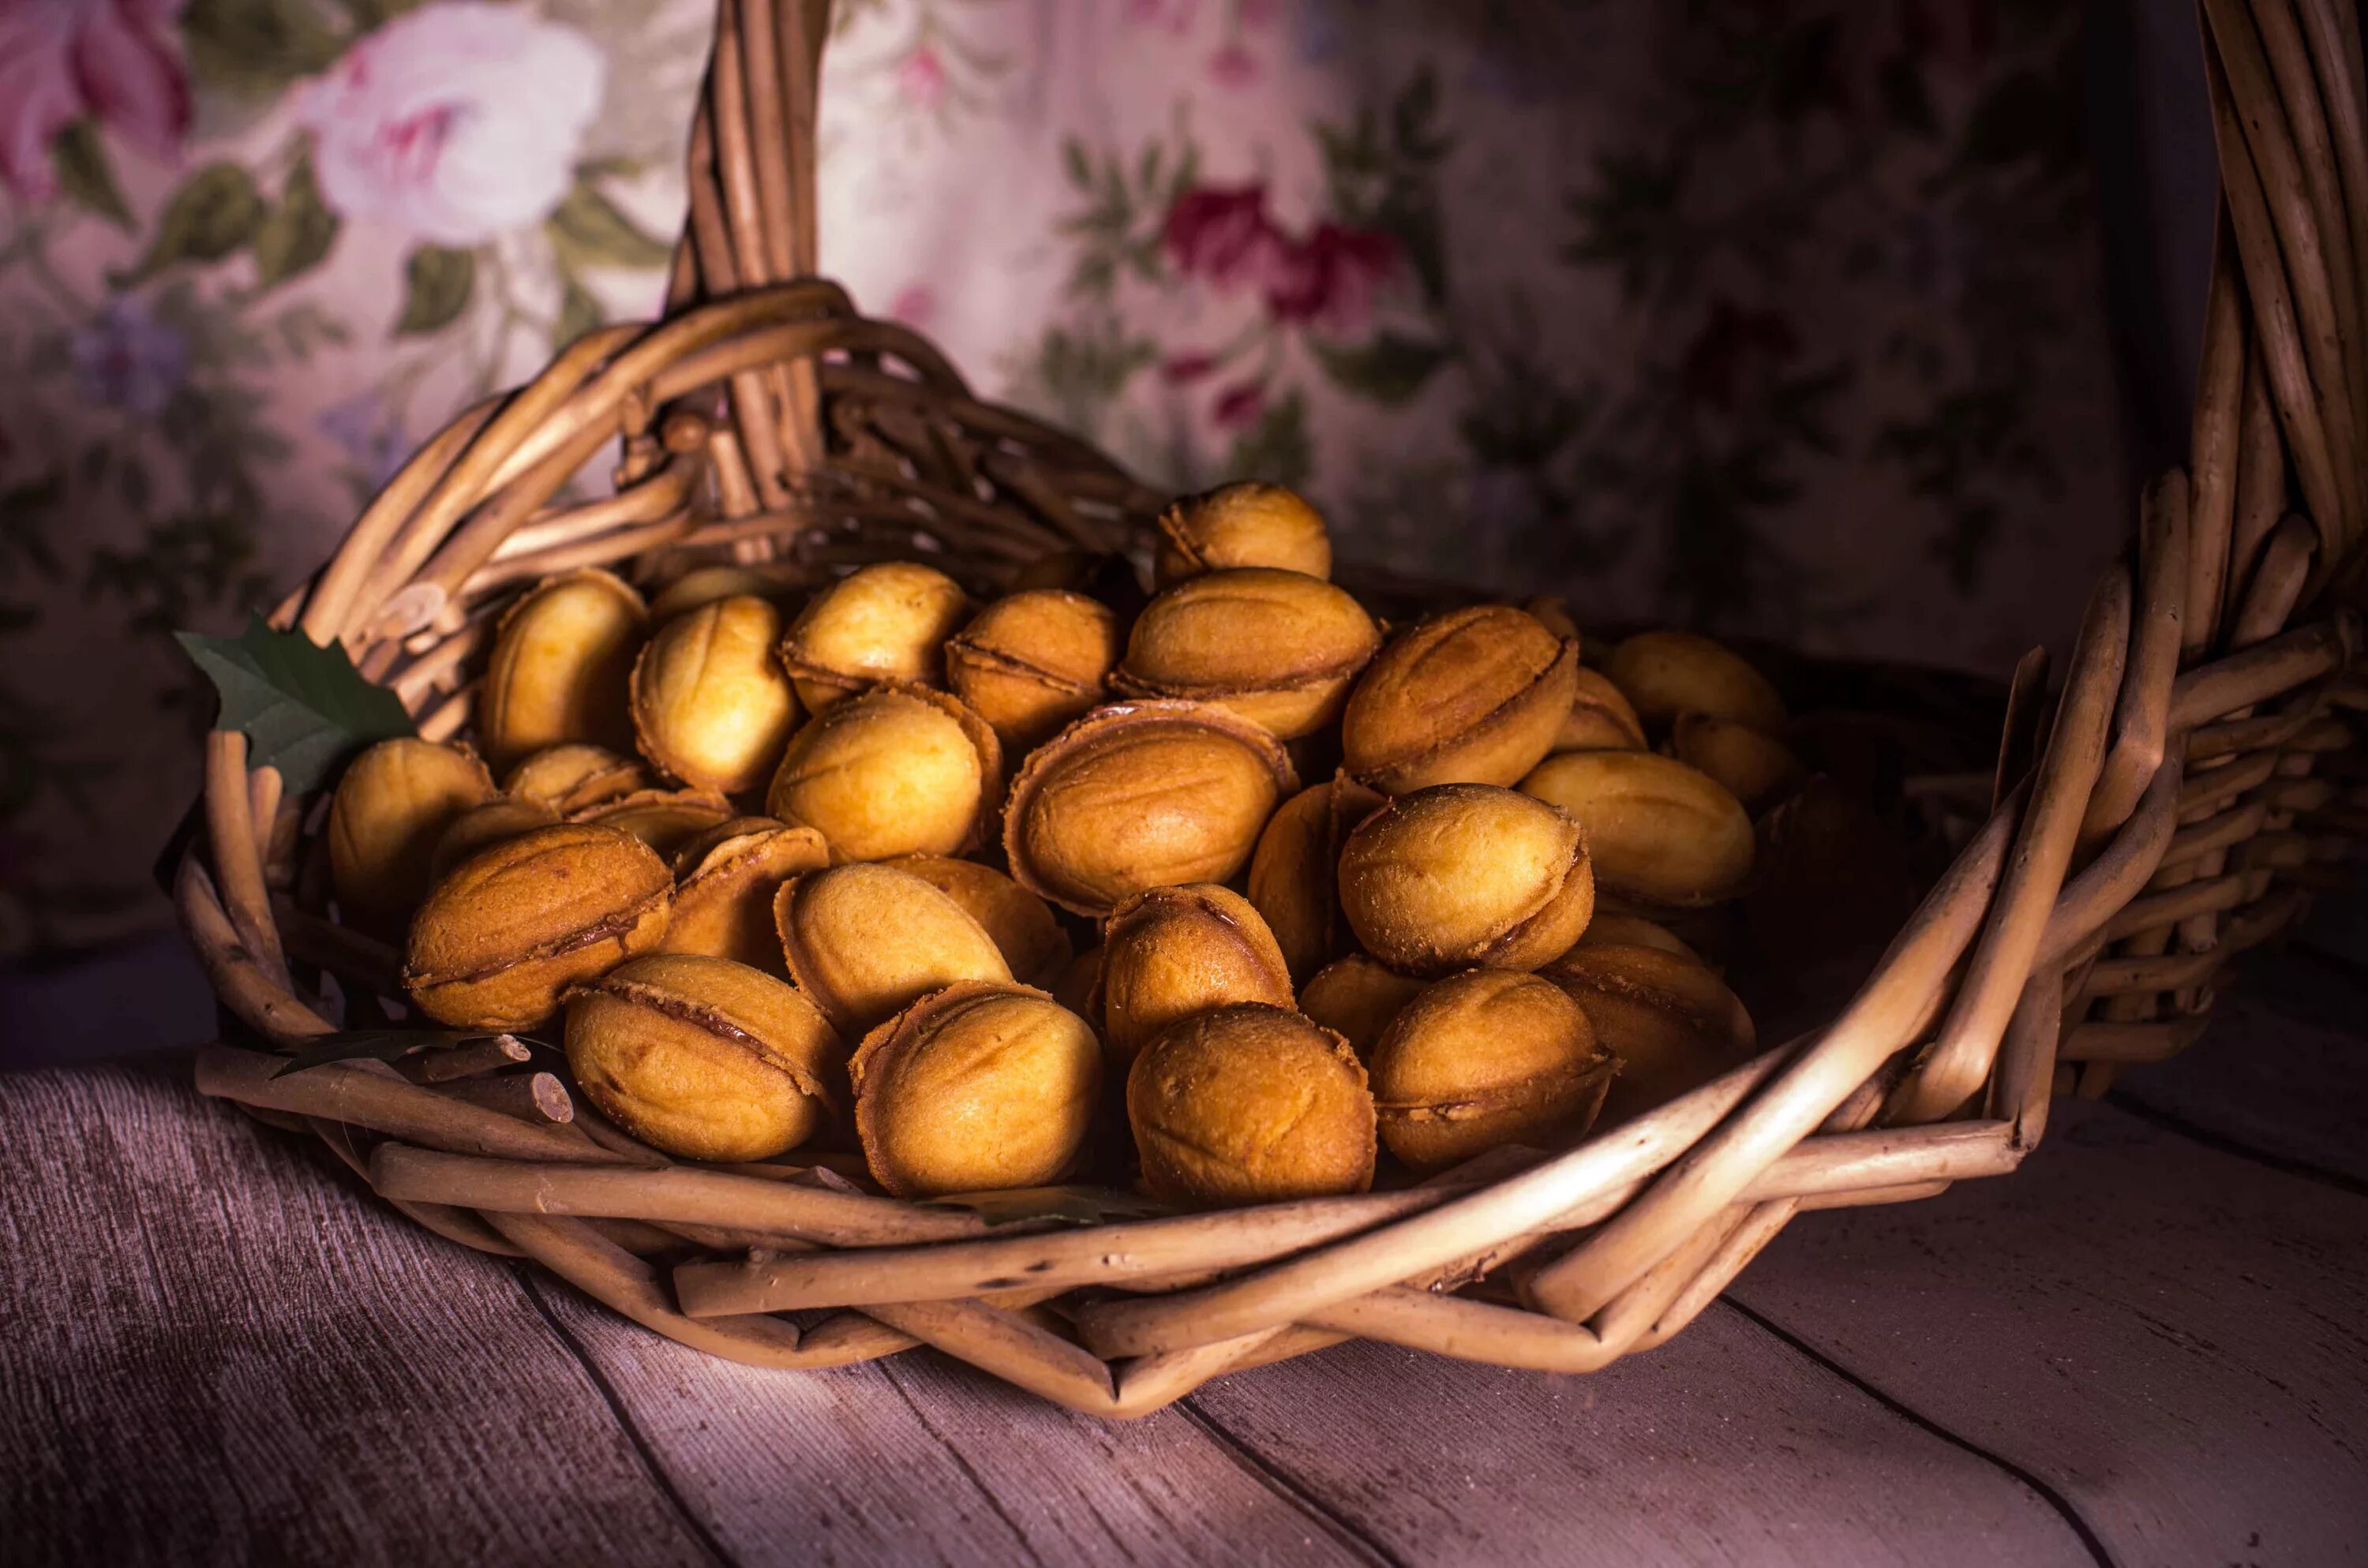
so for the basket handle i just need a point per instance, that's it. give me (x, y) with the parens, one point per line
(752, 223)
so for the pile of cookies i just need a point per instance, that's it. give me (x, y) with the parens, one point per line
(1231, 891)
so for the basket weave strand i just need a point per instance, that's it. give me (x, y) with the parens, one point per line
(2197, 777)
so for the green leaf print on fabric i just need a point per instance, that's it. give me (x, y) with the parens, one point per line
(579, 313)
(1389, 368)
(436, 287)
(296, 237)
(255, 48)
(86, 177)
(215, 211)
(1277, 449)
(587, 230)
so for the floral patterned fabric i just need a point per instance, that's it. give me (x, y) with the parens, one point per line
(1775, 316)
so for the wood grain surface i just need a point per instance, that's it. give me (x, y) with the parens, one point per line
(216, 1350)
(1723, 1446)
(2283, 1077)
(2143, 1348)
(918, 1460)
(2167, 1335)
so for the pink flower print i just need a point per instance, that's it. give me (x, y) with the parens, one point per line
(1239, 405)
(915, 305)
(1234, 67)
(113, 61)
(454, 122)
(1256, 13)
(1329, 280)
(1175, 16)
(1222, 236)
(1182, 369)
(921, 77)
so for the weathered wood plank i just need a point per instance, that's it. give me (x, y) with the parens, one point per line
(2283, 1070)
(919, 1460)
(211, 1345)
(2168, 1336)
(1723, 1445)
(213, 1349)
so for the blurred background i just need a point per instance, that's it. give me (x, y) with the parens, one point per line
(1853, 325)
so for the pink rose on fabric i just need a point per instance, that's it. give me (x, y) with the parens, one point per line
(921, 77)
(114, 60)
(1239, 405)
(1222, 236)
(453, 122)
(1328, 281)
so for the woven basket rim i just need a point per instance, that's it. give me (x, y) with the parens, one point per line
(2165, 808)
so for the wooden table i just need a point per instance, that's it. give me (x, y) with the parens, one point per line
(2150, 1345)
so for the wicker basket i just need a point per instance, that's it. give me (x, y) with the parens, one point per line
(2174, 805)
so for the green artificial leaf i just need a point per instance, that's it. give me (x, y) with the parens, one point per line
(216, 211)
(257, 48)
(587, 230)
(436, 287)
(86, 175)
(382, 1045)
(579, 313)
(1046, 1206)
(303, 709)
(1390, 368)
(297, 235)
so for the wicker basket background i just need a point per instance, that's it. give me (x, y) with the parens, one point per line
(2171, 802)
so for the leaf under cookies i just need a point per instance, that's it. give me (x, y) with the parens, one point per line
(1046, 1206)
(303, 709)
(383, 1045)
